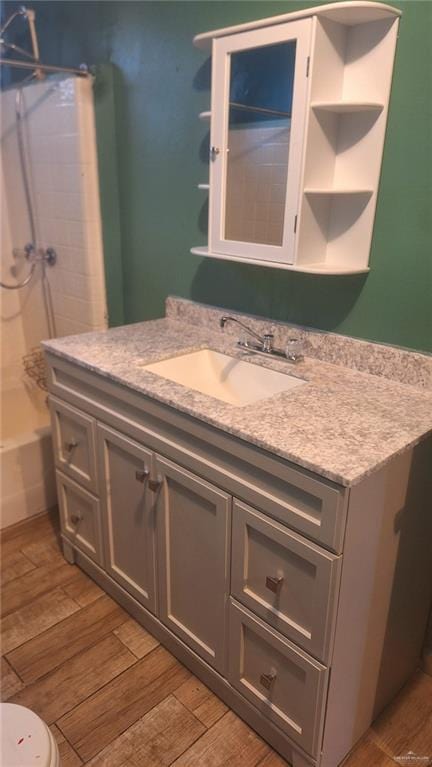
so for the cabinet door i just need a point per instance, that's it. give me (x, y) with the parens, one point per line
(194, 528)
(259, 94)
(128, 514)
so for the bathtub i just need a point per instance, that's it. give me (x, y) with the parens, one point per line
(26, 456)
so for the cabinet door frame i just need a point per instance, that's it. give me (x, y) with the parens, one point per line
(215, 655)
(223, 47)
(147, 597)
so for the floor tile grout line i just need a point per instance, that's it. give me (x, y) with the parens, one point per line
(11, 580)
(99, 689)
(57, 722)
(52, 670)
(40, 594)
(14, 671)
(58, 623)
(70, 745)
(207, 729)
(41, 633)
(119, 735)
(12, 532)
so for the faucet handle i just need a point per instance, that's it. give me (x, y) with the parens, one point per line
(267, 342)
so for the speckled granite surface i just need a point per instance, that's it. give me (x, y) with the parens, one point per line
(343, 424)
(402, 365)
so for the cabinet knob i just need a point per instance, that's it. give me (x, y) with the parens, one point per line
(214, 151)
(76, 518)
(273, 584)
(69, 446)
(267, 680)
(142, 475)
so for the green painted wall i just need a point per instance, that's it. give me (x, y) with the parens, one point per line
(160, 85)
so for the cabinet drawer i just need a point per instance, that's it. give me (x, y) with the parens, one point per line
(284, 683)
(80, 517)
(74, 443)
(288, 581)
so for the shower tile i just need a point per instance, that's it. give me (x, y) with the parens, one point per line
(77, 234)
(62, 160)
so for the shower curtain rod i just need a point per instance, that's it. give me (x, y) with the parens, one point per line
(36, 65)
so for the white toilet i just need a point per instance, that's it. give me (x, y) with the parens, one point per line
(26, 740)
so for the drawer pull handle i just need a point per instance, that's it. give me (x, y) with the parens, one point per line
(69, 446)
(76, 518)
(142, 475)
(154, 485)
(267, 680)
(274, 584)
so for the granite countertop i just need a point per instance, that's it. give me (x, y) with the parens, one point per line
(343, 424)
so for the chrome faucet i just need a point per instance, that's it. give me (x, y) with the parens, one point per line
(265, 342)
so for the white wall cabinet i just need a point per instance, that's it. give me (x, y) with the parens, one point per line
(297, 124)
(301, 603)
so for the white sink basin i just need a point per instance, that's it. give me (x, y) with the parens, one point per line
(226, 378)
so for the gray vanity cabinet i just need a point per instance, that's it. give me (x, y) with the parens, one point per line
(300, 602)
(194, 534)
(128, 514)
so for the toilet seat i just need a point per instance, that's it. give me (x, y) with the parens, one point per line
(26, 740)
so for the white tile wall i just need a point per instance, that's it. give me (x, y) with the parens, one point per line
(256, 182)
(62, 161)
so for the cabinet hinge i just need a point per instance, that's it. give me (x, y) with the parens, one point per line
(295, 224)
(307, 66)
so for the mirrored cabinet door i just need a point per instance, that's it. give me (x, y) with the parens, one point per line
(259, 94)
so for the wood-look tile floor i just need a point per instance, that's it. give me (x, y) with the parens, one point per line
(114, 697)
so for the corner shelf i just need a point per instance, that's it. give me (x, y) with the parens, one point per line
(329, 191)
(347, 107)
(313, 268)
